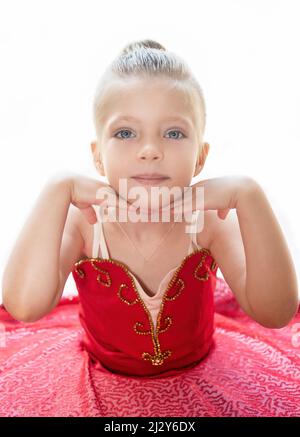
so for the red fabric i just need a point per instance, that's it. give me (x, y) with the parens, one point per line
(46, 369)
(119, 329)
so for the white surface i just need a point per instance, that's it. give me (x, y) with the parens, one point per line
(244, 54)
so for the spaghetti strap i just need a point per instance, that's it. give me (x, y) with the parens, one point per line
(195, 224)
(98, 236)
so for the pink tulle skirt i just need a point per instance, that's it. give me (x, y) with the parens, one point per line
(250, 371)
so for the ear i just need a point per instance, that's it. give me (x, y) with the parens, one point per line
(93, 146)
(201, 158)
(97, 158)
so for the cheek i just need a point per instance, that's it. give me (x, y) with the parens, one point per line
(183, 161)
(116, 168)
(185, 171)
(117, 152)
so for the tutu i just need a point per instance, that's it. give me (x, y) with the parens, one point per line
(113, 351)
(249, 371)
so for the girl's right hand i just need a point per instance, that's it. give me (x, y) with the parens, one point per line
(85, 192)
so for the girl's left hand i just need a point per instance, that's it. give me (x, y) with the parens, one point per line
(220, 194)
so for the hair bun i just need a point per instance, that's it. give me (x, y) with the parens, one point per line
(146, 43)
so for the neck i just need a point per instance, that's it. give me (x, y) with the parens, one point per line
(146, 227)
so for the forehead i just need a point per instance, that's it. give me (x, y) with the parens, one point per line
(139, 100)
(118, 117)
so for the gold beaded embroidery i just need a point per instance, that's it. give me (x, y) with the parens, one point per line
(158, 357)
(106, 283)
(80, 272)
(213, 265)
(123, 298)
(168, 322)
(182, 285)
(206, 275)
(138, 325)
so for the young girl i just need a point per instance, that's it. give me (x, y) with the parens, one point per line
(153, 330)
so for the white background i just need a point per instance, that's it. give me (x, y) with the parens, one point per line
(245, 55)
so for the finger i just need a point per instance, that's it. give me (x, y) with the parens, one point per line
(105, 194)
(222, 213)
(115, 208)
(89, 214)
(108, 197)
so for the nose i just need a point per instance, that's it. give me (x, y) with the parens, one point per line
(150, 152)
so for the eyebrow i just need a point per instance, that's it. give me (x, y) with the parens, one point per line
(185, 120)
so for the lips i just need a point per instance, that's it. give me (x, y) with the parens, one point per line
(151, 176)
(150, 180)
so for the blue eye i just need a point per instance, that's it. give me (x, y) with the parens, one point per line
(123, 130)
(126, 137)
(183, 136)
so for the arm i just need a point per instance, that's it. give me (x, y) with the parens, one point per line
(41, 259)
(271, 282)
(253, 256)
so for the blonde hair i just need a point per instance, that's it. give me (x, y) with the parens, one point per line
(147, 59)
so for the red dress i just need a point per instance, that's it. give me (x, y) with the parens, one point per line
(105, 353)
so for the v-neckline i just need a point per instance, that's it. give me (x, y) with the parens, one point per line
(159, 289)
(131, 275)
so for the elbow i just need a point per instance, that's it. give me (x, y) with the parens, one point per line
(285, 322)
(27, 318)
(20, 316)
(18, 312)
(275, 315)
(275, 324)
(12, 304)
(27, 312)
(282, 320)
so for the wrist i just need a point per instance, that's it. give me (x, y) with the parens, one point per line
(62, 182)
(248, 188)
